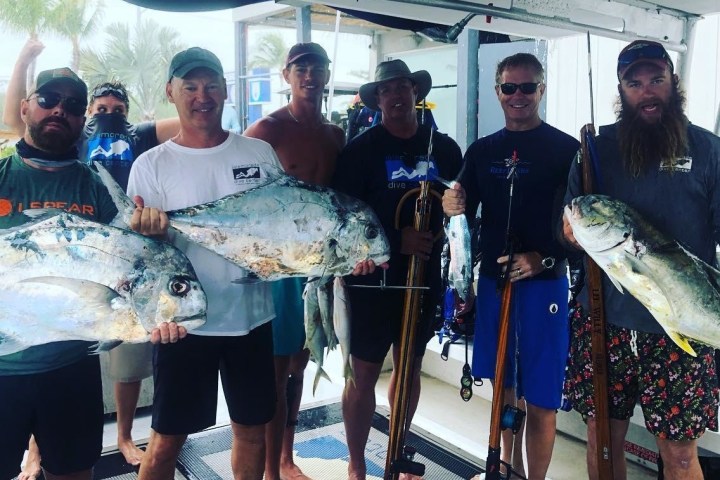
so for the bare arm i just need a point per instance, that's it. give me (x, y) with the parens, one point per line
(17, 89)
(167, 129)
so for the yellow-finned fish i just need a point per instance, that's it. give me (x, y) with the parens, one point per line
(678, 289)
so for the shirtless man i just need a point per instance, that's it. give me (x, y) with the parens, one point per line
(307, 146)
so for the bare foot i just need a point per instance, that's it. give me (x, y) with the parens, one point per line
(356, 475)
(292, 472)
(407, 476)
(133, 455)
(31, 470)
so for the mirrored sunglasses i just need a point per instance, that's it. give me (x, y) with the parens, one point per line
(72, 105)
(526, 88)
(650, 51)
(106, 90)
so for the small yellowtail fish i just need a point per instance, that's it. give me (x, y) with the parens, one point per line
(341, 322)
(315, 339)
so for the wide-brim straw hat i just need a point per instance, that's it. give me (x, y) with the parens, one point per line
(392, 70)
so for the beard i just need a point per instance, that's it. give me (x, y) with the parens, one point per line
(53, 141)
(645, 145)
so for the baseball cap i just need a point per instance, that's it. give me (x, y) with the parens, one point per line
(300, 50)
(642, 51)
(58, 76)
(195, 57)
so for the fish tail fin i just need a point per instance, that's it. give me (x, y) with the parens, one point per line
(682, 342)
(320, 373)
(349, 373)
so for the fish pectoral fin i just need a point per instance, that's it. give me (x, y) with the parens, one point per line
(681, 342)
(91, 291)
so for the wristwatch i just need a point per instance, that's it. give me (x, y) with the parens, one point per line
(548, 262)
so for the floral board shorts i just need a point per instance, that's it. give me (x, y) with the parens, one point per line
(678, 393)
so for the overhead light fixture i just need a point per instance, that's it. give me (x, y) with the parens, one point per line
(446, 35)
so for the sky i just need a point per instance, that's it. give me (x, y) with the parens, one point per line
(211, 30)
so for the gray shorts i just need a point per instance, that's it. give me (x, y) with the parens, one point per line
(130, 362)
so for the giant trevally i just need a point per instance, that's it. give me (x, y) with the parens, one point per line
(64, 277)
(678, 289)
(283, 228)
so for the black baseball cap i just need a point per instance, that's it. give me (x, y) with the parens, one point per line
(642, 51)
(300, 50)
(182, 63)
(61, 76)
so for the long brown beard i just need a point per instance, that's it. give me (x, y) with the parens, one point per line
(649, 145)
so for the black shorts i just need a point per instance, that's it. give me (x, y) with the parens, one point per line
(63, 408)
(377, 320)
(186, 375)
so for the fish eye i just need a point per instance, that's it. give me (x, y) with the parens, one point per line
(332, 242)
(179, 287)
(371, 232)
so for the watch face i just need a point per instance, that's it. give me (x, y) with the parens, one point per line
(548, 262)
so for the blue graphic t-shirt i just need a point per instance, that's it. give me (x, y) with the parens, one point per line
(115, 143)
(380, 169)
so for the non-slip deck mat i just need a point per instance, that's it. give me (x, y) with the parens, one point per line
(320, 451)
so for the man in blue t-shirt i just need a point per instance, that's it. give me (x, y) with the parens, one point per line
(523, 165)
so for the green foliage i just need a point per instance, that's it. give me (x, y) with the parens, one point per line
(76, 20)
(270, 51)
(139, 58)
(26, 16)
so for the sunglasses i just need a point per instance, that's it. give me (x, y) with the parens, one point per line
(106, 90)
(648, 50)
(526, 88)
(72, 105)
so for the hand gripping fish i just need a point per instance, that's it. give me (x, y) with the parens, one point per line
(63, 277)
(283, 228)
(678, 289)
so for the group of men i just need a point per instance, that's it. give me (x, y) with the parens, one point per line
(517, 180)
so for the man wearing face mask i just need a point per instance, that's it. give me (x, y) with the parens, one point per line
(110, 139)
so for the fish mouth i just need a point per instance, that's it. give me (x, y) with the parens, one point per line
(191, 322)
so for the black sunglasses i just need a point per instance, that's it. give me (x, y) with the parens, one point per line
(526, 88)
(72, 105)
(106, 90)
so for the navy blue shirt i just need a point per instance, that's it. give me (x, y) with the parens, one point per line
(542, 157)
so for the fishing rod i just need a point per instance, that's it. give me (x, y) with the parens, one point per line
(400, 456)
(503, 416)
(598, 348)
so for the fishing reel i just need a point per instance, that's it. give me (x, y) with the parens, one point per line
(512, 418)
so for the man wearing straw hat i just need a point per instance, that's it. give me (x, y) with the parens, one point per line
(381, 166)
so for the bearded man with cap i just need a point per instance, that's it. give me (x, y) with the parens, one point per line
(203, 163)
(307, 145)
(52, 391)
(380, 166)
(668, 170)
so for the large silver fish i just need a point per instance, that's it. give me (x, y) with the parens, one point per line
(63, 277)
(677, 288)
(283, 228)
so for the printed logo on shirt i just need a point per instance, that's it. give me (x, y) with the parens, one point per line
(107, 148)
(399, 170)
(247, 174)
(503, 168)
(680, 165)
(7, 207)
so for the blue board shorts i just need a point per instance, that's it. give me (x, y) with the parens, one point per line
(288, 326)
(538, 338)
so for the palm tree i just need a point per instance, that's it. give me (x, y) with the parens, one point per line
(139, 58)
(75, 20)
(26, 16)
(270, 52)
